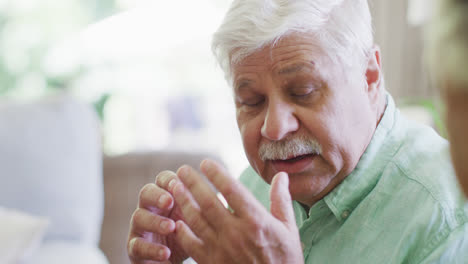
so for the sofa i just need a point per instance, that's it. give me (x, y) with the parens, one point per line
(124, 176)
(61, 199)
(51, 195)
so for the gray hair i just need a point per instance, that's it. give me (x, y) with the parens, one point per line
(342, 27)
(292, 146)
(447, 51)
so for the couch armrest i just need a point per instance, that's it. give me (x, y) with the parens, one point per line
(124, 176)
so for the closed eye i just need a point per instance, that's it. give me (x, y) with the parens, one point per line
(249, 100)
(252, 103)
(301, 92)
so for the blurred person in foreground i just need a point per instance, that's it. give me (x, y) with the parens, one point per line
(337, 174)
(448, 56)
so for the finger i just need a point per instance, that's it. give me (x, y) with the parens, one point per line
(238, 197)
(281, 203)
(166, 180)
(142, 261)
(152, 196)
(146, 221)
(189, 242)
(212, 210)
(141, 250)
(191, 212)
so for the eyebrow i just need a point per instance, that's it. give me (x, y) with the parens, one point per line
(294, 68)
(242, 83)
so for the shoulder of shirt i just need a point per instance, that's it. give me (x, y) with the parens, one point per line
(423, 157)
(423, 173)
(255, 184)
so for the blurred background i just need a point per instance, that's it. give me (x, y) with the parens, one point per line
(145, 69)
(146, 66)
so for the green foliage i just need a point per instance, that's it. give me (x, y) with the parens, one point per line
(29, 30)
(435, 108)
(100, 104)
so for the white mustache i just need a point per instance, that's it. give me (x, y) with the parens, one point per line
(289, 147)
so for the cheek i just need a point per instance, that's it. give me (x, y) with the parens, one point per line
(333, 125)
(327, 133)
(323, 124)
(251, 136)
(355, 124)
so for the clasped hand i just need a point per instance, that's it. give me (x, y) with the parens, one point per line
(180, 216)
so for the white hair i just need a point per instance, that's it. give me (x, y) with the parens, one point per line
(447, 51)
(342, 28)
(292, 146)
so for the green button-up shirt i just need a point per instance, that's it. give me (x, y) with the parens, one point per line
(401, 204)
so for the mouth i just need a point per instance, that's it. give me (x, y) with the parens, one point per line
(295, 158)
(295, 164)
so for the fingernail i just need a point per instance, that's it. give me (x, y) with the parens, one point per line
(172, 183)
(284, 178)
(162, 253)
(178, 188)
(163, 200)
(166, 225)
(182, 172)
(207, 165)
(132, 243)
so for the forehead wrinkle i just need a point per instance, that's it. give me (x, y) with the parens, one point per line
(295, 68)
(283, 58)
(293, 61)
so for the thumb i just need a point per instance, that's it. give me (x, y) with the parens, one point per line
(281, 203)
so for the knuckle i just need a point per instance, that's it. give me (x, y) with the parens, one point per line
(190, 182)
(254, 227)
(153, 223)
(142, 249)
(138, 216)
(139, 250)
(209, 204)
(232, 234)
(131, 248)
(146, 220)
(227, 190)
(237, 242)
(195, 223)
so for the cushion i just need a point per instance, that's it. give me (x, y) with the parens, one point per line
(20, 235)
(51, 165)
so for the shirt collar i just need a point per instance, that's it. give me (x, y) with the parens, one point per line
(348, 194)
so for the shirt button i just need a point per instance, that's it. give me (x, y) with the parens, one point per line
(345, 214)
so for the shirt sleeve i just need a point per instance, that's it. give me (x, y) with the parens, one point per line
(453, 250)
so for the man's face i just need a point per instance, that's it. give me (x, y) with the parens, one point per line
(300, 113)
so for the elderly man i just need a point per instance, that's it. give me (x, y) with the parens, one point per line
(346, 178)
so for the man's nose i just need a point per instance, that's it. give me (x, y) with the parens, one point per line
(280, 120)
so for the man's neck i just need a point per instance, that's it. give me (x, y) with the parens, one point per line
(381, 111)
(306, 208)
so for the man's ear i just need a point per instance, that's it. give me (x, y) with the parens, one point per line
(374, 75)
